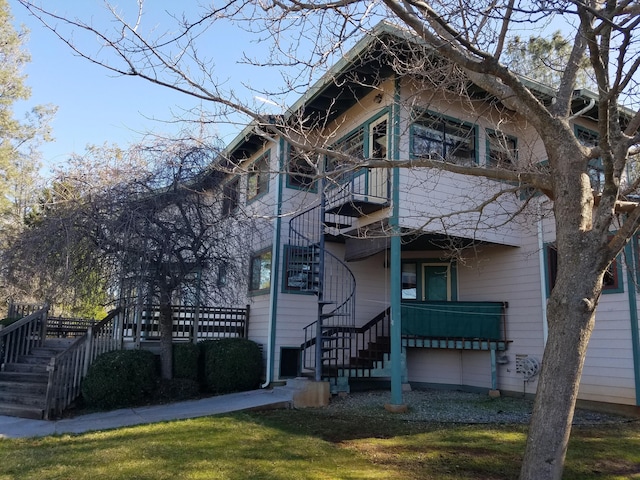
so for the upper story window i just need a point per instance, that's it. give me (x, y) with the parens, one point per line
(595, 169)
(353, 146)
(502, 150)
(448, 139)
(370, 140)
(301, 171)
(230, 196)
(258, 177)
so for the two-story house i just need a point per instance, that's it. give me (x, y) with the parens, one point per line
(457, 267)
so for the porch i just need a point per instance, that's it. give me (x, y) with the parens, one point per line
(364, 352)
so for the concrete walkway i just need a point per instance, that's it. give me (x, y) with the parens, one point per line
(12, 427)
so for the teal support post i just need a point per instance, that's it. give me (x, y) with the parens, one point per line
(396, 322)
(396, 270)
(633, 315)
(494, 368)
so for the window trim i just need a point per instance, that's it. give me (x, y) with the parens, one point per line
(312, 187)
(285, 269)
(229, 204)
(261, 290)
(550, 270)
(420, 264)
(445, 118)
(365, 128)
(266, 158)
(489, 132)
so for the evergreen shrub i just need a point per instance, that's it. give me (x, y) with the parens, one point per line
(121, 378)
(185, 361)
(230, 365)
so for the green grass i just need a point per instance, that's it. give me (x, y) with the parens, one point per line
(309, 444)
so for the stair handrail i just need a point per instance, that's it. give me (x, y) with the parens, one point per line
(69, 367)
(337, 292)
(22, 336)
(317, 230)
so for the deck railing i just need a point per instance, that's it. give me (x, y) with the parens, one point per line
(190, 323)
(22, 336)
(68, 368)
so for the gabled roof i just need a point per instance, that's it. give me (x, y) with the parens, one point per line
(359, 71)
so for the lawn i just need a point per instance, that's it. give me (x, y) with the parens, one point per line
(308, 444)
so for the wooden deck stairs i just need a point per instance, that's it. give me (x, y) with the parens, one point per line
(23, 383)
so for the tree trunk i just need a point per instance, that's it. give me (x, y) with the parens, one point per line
(166, 336)
(550, 426)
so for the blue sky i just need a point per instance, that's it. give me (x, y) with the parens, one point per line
(94, 105)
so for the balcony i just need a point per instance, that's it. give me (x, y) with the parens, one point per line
(359, 193)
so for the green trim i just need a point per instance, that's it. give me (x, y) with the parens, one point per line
(633, 312)
(275, 271)
(365, 128)
(396, 259)
(313, 188)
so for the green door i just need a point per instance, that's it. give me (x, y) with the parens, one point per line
(436, 282)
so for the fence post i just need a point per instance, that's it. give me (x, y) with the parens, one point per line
(88, 345)
(43, 324)
(195, 325)
(246, 321)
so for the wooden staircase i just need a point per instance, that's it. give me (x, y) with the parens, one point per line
(23, 383)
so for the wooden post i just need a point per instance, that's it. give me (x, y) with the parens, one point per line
(246, 321)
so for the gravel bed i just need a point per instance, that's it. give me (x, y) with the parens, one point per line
(451, 406)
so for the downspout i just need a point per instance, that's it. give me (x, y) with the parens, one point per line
(633, 316)
(275, 268)
(543, 276)
(396, 403)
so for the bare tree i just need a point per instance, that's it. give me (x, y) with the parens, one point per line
(137, 225)
(592, 225)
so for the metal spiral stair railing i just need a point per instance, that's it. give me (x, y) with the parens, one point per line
(311, 268)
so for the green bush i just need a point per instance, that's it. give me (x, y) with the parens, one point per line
(177, 389)
(121, 378)
(185, 361)
(230, 365)
(5, 322)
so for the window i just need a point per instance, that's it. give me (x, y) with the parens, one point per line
(222, 279)
(450, 140)
(301, 269)
(260, 274)
(610, 282)
(300, 171)
(409, 281)
(429, 280)
(258, 178)
(595, 170)
(231, 196)
(353, 146)
(501, 150)
(378, 139)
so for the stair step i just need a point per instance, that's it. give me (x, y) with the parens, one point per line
(27, 388)
(21, 411)
(26, 367)
(21, 398)
(24, 377)
(46, 351)
(33, 359)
